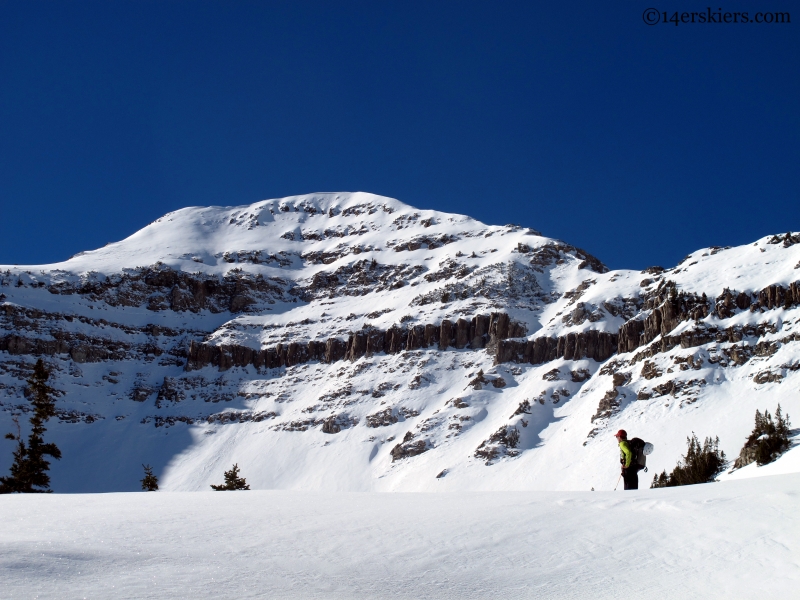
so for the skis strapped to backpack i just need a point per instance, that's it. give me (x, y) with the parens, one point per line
(640, 450)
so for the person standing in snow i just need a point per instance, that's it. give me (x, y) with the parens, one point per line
(630, 470)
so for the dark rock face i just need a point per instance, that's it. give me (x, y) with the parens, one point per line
(431, 335)
(552, 375)
(746, 456)
(607, 405)
(788, 239)
(336, 423)
(390, 416)
(734, 334)
(597, 345)
(767, 377)
(501, 443)
(474, 334)
(461, 333)
(408, 448)
(141, 393)
(446, 335)
(502, 327)
(775, 296)
(649, 370)
(556, 251)
(677, 308)
(395, 340)
(356, 345)
(727, 303)
(159, 287)
(743, 300)
(499, 382)
(580, 375)
(376, 341)
(334, 350)
(629, 335)
(382, 418)
(419, 337)
(80, 347)
(478, 331)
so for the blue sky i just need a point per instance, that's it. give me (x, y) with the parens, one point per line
(637, 143)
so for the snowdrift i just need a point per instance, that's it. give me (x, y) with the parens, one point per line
(725, 540)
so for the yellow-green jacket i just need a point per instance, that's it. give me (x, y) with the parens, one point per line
(625, 454)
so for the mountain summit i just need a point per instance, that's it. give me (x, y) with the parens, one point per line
(349, 341)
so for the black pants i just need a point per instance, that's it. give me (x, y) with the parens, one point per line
(631, 478)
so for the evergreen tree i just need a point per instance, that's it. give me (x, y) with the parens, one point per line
(768, 440)
(232, 481)
(660, 481)
(673, 291)
(782, 425)
(150, 481)
(10, 484)
(701, 464)
(29, 470)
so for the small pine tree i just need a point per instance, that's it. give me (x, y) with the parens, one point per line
(782, 426)
(11, 484)
(660, 481)
(701, 464)
(150, 481)
(29, 470)
(232, 481)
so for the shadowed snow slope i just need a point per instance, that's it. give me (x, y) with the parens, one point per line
(728, 540)
(350, 342)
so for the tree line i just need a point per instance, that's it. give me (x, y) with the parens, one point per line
(703, 463)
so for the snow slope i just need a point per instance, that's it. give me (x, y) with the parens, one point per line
(161, 344)
(728, 540)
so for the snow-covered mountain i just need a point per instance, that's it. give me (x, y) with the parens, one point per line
(348, 341)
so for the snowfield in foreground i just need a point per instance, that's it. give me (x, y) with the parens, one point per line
(737, 539)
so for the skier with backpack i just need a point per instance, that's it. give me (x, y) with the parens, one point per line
(633, 458)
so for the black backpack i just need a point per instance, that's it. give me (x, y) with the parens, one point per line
(637, 446)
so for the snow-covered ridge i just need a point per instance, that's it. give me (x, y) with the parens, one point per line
(210, 239)
(350, 341)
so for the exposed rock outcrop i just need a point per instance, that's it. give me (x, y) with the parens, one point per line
(160, 287)
(675, 308)
(597, 345)
(479, 332)
(408, 448)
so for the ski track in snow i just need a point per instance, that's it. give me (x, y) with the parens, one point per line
(729, 540)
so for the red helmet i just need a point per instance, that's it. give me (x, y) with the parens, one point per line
(622, 434)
